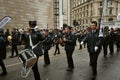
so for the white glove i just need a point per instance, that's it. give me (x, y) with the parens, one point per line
(64, 39)
(96, 48)
(82, 43)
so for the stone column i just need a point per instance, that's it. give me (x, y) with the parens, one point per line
(68, 12)
(60, 13)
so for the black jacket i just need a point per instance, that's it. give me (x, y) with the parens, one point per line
(70, 41)
(117, 37)
(36, 37)
(93, 39)
(2, 48)
(15, 38)
(47, 42)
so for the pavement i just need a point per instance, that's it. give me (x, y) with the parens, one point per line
(108, 69)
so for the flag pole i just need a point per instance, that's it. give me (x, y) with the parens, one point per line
(102, 18)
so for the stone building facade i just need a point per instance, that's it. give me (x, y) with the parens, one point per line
(22, 11)
(85, 11)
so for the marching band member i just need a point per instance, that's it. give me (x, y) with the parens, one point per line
(94, 44)
(2, 52)
(34, 38)
(47, 42)
(56, 42)
(15, 42)
(70, 42)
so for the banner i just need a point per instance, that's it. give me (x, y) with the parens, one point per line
(4, 21)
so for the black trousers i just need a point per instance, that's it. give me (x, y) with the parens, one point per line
(80, 46)
(93, 61)
(69, 58)
(118, 46)
(46, 57)
(3, 66)
(57, 48)
(111, 47)
(36, 71)
(105, 48)
(14, 48)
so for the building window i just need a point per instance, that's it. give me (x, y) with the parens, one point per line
(87, 13)
(101, 11)
(87, 6)
(84, 7)
(110, 19)
(101, 3)
(80, 22)
(84, 14)
(91, 12)
(110, 2)
(86, 21)
(99, 20)
(110, 11)
(116, 10)
(90, 20)
(91, 5)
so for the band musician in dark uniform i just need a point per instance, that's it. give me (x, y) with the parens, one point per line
(105, 40)
(35, 38)
(69, 41)
(56, 41)
(2, 52)
(47, 42)
(15, 42)
(94, 44)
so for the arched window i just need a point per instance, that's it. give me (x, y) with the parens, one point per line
(110, 19)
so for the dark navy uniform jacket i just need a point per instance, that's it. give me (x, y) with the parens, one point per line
(70, 41)
(93, 39)
(36, 37)
(15, 38)
(2, 48)
(47, 42)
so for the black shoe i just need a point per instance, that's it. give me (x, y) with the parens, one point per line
(58, 53)
(118, 50)
(94, 78)
(54, 54)
(45, 65)
(90, 64)
(10, 56)
(3, 74)
(69, 69)
(16, 56)
(111, 53)
(105, 56)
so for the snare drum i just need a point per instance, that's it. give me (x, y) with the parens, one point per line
(27, 58)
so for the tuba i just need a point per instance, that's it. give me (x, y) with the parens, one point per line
(28, 59)
(9, 38)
